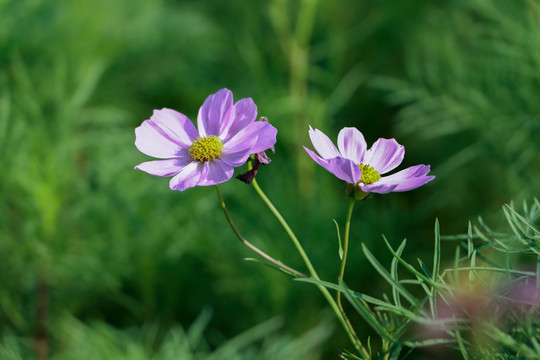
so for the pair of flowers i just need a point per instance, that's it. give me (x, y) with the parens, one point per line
(228, 134)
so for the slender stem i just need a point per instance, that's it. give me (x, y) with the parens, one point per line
(342, 267)
(287, 229)
(346, 325)
(346, 239)
(252, 247)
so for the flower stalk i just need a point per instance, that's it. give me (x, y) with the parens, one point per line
(340, 315)
(342, 269)
(252, 247)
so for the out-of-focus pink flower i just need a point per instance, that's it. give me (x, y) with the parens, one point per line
(524, 292)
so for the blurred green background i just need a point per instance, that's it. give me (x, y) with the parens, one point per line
(101, 261)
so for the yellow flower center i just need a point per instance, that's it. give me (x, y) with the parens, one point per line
(206, 148)
(369, 174)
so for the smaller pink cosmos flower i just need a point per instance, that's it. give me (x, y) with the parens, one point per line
(227, 135)
(363, 168)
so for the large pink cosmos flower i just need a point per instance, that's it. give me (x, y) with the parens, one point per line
(227, 135)
(363, 168)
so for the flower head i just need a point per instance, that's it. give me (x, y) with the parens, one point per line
(227, 134)
(352, 162)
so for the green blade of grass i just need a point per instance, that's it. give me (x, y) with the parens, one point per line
(393, 271)
(387, 276)
(410, 267)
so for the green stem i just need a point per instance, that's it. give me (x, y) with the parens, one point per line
(287, 229)
(252, 247)
(342, 267)
(346, 325)
(346, 239)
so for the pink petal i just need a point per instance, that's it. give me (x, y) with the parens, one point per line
(384, 155)
(189, 176)
(262, 131)
(378, 188)
(164, 134)
(413, 183)
(215, 111)
(151, 140)
(323, 144)
(167, 167)
(244, 112)
(351, 144)
(316, 158)
(260, 135)
(217, 172)
(266, 136)
(238, 154)
(404, 180)
(410, 172)
(344, 169)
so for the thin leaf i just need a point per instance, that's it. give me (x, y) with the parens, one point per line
(535, 229)
(461, 345)
(393, 270)
(366, 313)
(429, 342)
(437, 251)
(370, 299)
(424, 268)
(271, 266)
(386, 275)
(470, 244)
(340, 249)
(486, 268)
(436, 268)
(456, 266)
(409, 267)
(380, 304)
(509, 213)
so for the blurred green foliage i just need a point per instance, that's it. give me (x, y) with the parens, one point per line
(83, 235)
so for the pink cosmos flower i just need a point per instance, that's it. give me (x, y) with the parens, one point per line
(353, 163)
(227, 134)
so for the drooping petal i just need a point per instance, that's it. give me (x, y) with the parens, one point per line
(351, 144)
(244, 112)
(266, 136)
(378, 188)
(406, 179)
(323, 144)
(342, 168)
(345, 169)
(189, 176)
(264, 133)
(217, 172)
(410, 172)
(316, 157)
(236, 154)
(384, 155)
(167, 167)
(413, 183)
(215, 110)
(164, 134)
